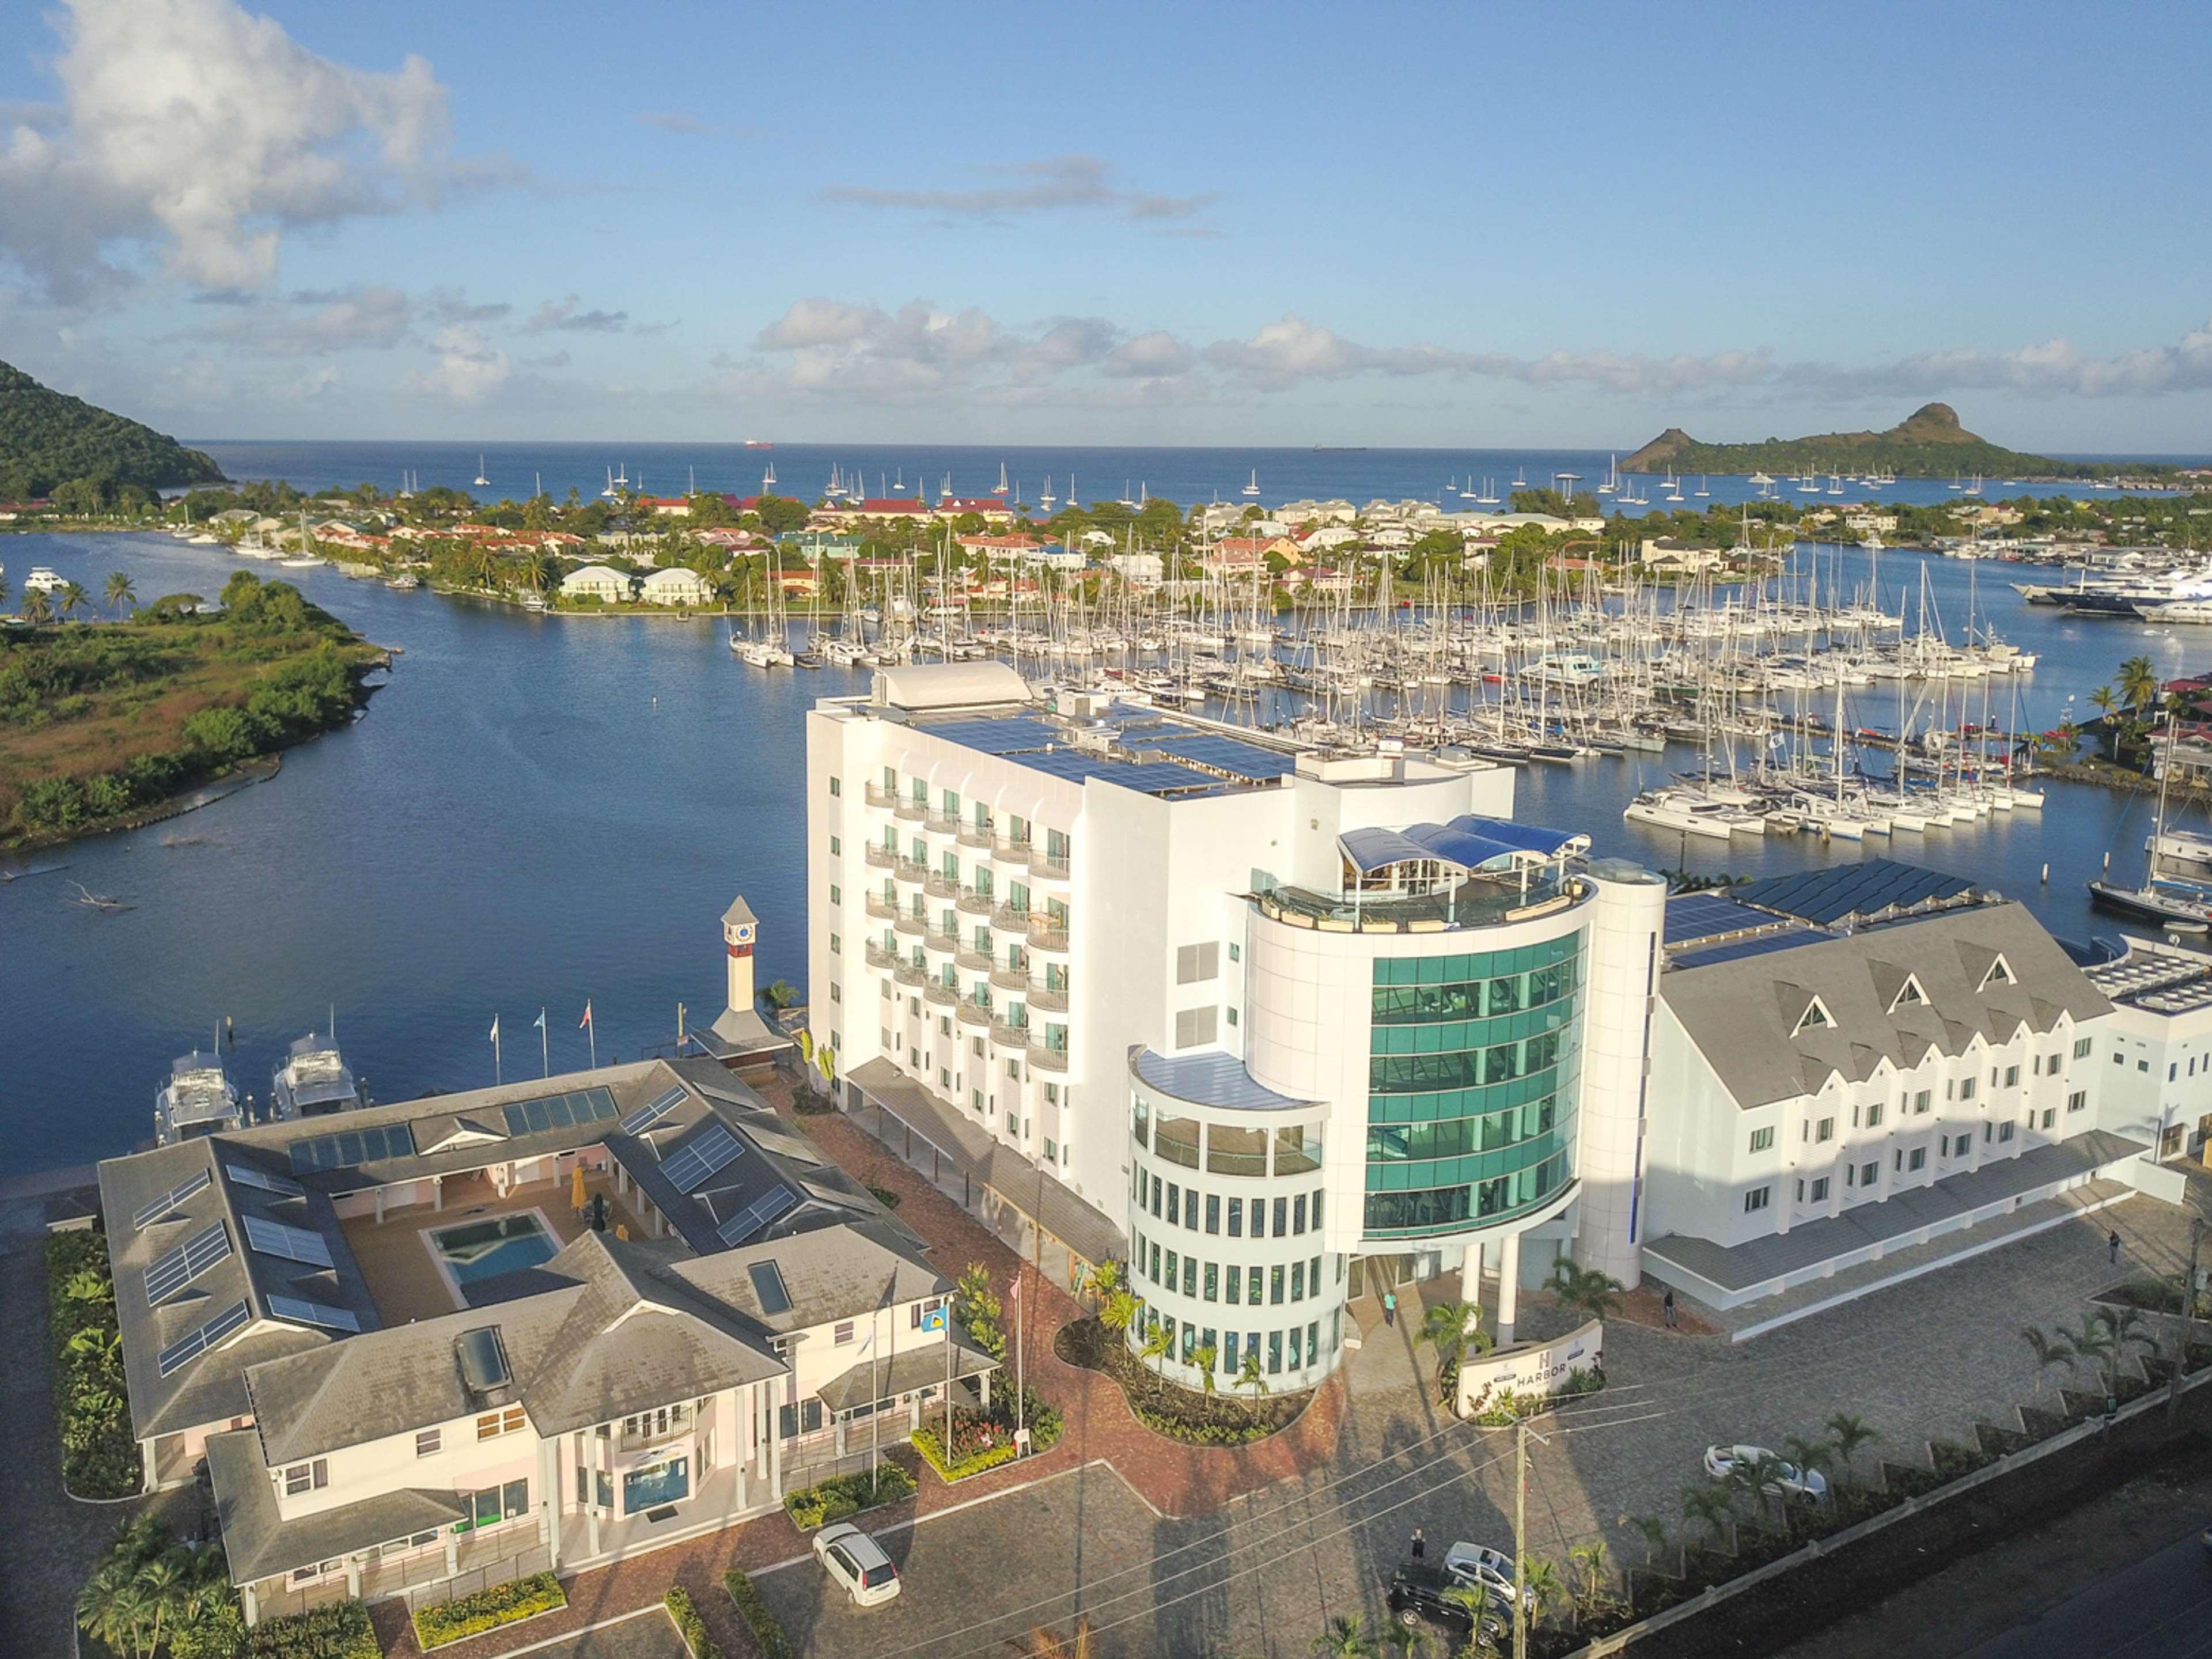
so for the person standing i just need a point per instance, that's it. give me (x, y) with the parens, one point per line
(1420, 1544)
(1667, 1306)
(2112, 1246)
(1390, 1307)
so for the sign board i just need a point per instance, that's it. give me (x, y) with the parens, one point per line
(1528, 1369)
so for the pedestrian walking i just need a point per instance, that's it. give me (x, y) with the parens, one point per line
(1667, 1306)
(2112, 1245)
(1420, 1544)
(1390, 1307)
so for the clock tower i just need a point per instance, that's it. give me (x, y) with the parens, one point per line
(740, 929)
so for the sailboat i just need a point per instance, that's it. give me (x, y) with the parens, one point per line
(609, 492)
(1046, 499)
(1702, 490)
(2178, 907)
(480, 477)
(1612, 476)
(767, 478)
(621, 481)
(1521, 477)
(1002, 487)
(1253, 488)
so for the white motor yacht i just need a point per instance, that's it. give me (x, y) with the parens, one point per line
(313, 1081)
(198, 1099)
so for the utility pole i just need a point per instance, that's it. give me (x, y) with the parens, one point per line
(2188, 1321)
(1521, 1433)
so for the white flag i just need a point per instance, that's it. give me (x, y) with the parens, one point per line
(495, 1029)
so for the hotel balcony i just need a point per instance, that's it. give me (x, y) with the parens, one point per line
(940, 824)
(1048, 998)
(975, 903)
(1010, 920)
(881, 857)
(939, 993)
(881, 954)
(1051, 1059)
(907, 922)
(1481, 901)
(976, 834)
(941, 886)
(945, 943)
(878, 795)
(973, 1012)
(1010, 1036)
(912, 810)
(912, 973)
(1051, 868)
(1044, 936)
(1013, 854)
(910, 870)
(973, 960)
(880, 906)
(1011, 978)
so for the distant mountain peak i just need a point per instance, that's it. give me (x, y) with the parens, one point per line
(48, 438)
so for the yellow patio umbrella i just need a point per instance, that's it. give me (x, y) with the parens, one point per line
(576, 1197)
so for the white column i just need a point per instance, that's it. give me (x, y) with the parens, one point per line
(1618, 985)
(1470, 1274)
(1508, 1285)
(253, 1605)
(549, 1497)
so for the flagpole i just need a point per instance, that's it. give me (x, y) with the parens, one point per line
(593, 1031)
(498, 1073)
(544, 1044)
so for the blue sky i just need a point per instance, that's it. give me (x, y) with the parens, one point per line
(1434, 225)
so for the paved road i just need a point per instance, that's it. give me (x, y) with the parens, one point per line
(2155, 1609)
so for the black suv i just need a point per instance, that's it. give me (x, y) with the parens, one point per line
(1417, 1591)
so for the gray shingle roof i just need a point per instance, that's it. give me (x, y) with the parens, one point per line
(260, 1544)
(829, 1275)
(1742, 1014)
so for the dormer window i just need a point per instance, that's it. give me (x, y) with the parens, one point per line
(1815, 1017)
(2000, 974)
(1908, 994)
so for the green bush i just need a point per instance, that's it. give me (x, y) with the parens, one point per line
(487, 1609)
(760, 1618)
(846, 1494)
(929, 1442)
(341, 1631)
(690, 1625)
(92, 1406)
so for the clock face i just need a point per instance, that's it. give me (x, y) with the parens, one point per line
(745, 934)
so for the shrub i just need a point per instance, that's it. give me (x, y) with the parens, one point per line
(760, 1618)
(341, 1631)
(92, 1408)
(846, 1494)
(976, 1453)
(690, 1625)
(487, 1609)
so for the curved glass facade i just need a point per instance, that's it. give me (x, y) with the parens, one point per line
(1471, 1086)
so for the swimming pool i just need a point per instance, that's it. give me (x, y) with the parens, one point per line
(502, 1244)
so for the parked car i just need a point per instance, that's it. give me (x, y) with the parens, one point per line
(1479, 1563)
(858, 1562)
(1420, 1591)
(1789, 1480)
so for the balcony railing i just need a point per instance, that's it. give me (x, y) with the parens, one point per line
(912, 809)
(973, 1012)
(1044, 935)
(946, 943)
(907, 922)
(1050, 999)
(912, 973)
(942, 824)
(1054, 868)
(975, 834)
(941, 886)
(881, 954)
(940, 993)
(974, 958)
(1012, 853)
(1008, 917)
(910, 870)
(881, 857)
(1042, 1054)
(1010, 1036)
(879, 796)
(880, 906)
(1011, 978)
(975, 903)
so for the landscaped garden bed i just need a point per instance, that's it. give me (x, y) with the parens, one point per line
(984, 1439)
(1195, 1417)
(341, 1632)
(690, 1624)
(510, 1603)
(99, 1458)
(760, 1618)
(844, 1495)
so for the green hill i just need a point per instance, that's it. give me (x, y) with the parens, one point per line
(48, 438)
(1928, 443)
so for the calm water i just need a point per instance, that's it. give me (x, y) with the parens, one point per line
(536, 812)
(1185, 475)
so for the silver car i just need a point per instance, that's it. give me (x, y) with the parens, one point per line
(858, 1562)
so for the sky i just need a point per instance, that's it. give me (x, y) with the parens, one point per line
(1426, 225)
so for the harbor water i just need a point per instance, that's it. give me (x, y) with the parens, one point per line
(539, 812)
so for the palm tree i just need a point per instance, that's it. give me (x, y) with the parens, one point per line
(38, 608)
(4, 592)
(1406, 1641)
(1158, 1346)
(2049, 1353)
(1118, 1312)
(2093, 1342)
(2127, 1329)
(1542, 1582)
(1344, 1638)
(1708, 1507)
(73, 597)
(2139, 682)
(1847, 1432)
(1591, 1576)
(1584, 1289)
(1654, 1533)
(1249, 1377)
(1452, 1328)
(119, 591)
(1203, 1357)
(1103, 1280)
(1482, 1638)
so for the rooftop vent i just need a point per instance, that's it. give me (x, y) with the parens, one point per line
(482, 1359)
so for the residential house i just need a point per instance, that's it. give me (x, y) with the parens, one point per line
(596, 582)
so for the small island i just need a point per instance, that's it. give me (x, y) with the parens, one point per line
(103, 722)
(1929, 443)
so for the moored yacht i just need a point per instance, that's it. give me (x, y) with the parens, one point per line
(198, 1099)
(313, 1081)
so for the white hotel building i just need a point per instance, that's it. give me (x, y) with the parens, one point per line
(1271, 1024)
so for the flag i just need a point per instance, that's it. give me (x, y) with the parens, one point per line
(587, 1019)
(495, 1029)
(539, 1023)
(933, 1319)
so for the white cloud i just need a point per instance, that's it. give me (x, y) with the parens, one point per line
(2050, 368)
(1286, 352)
(1054, 183)
(469, 367)
(1155, 354)
(204, 132)
(567, 316)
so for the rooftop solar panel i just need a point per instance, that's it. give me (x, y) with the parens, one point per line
(247, 1175)
(1751, 947)
(1852, 890)
(1702, 915)
(708, 1153)
(558, 1111)
(756, 1216)
(1231, 755)
(181, 1266)
(290, 1243)
(302, 1311)
(352, 1147)
(196, 1341)
(999, 737)
(650, 1114)
(169, 1200)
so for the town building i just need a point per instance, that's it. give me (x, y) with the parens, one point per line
(596, 582)
(2157, 1071)
(540, 1326)
(678, 585)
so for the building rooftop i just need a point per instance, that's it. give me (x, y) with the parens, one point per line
(1843, 895)
(2159, 979)
(1209, 1079)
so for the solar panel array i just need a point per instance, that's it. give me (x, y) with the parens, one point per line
(196, 1341)
(1702, 915)
(708, 1153)
(300, 1311)
(246, 1175)
(351, 1147)
(1249, 761)
(756, 1216)
(1145, 777)
(178, 1267)
(291, 1243)
(558, 1111)
(1001, 737)
(169, 1200)
(1853, 890)
(650, 1114)
(1787, 939)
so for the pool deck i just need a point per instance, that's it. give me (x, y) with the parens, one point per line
(401, 1267)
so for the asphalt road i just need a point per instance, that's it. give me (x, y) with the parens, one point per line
(2155, 1609)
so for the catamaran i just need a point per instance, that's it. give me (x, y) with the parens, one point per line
(1253, 488)
(480, 477)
